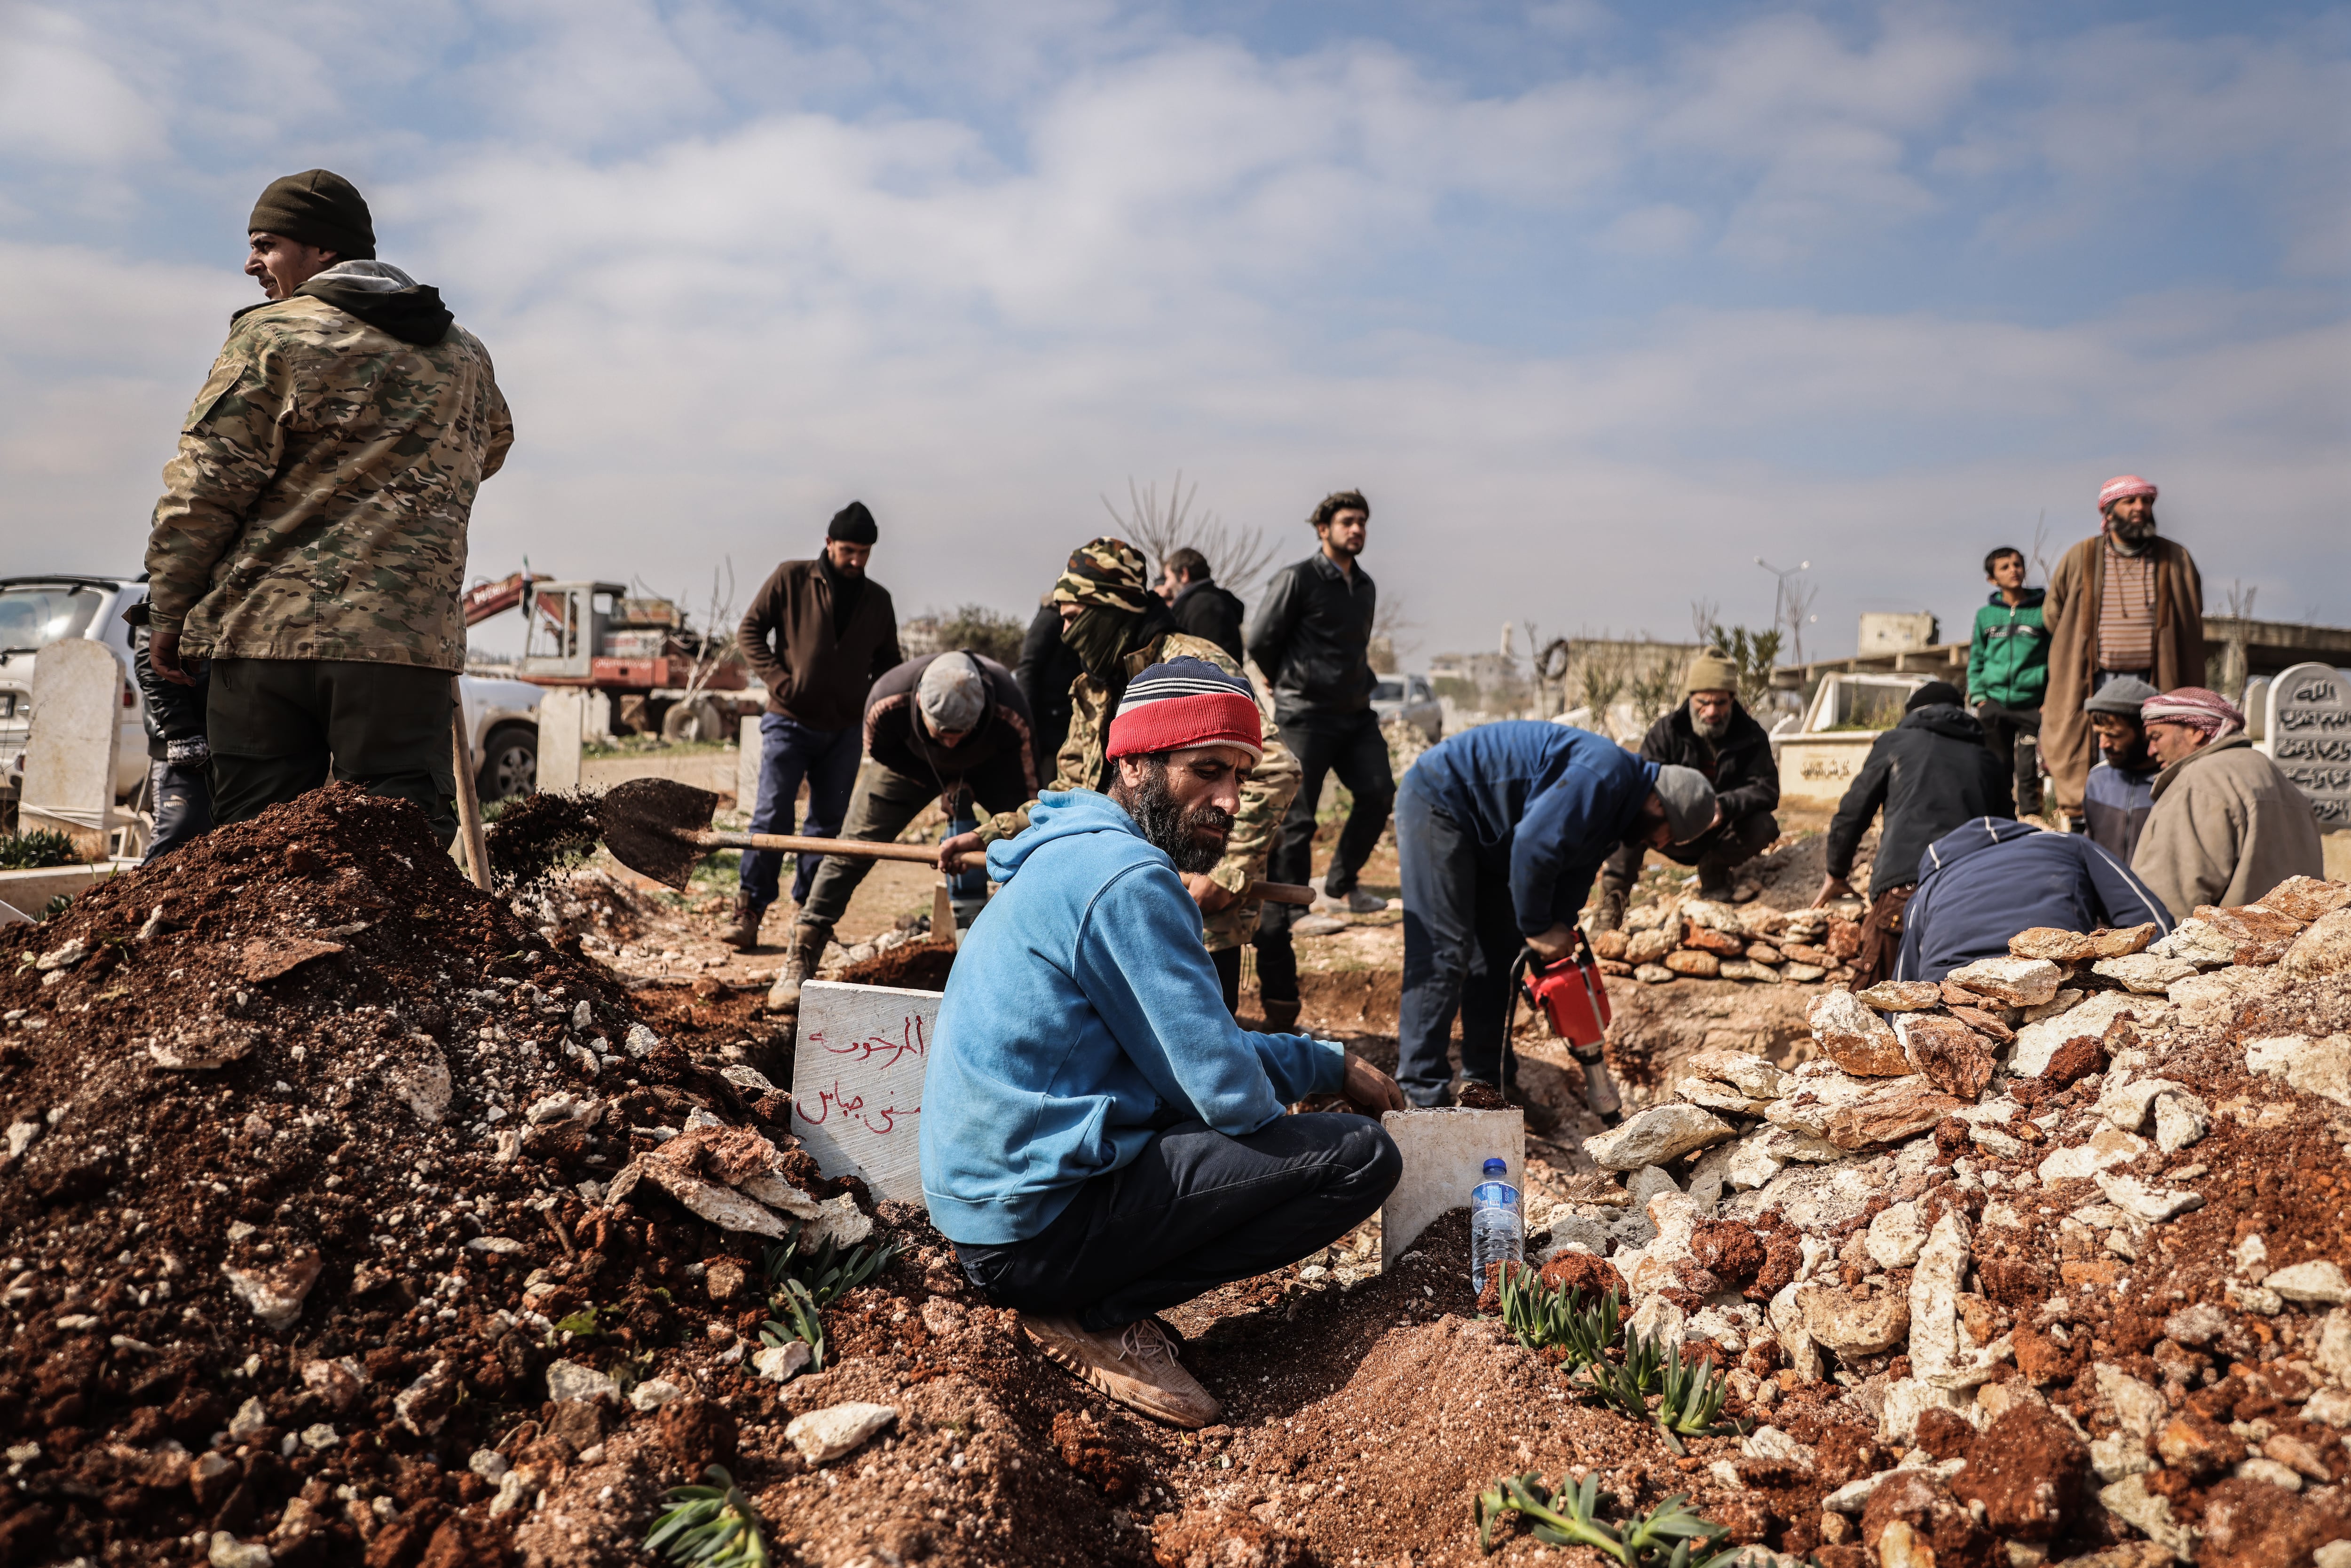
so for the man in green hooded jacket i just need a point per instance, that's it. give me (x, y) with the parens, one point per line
(2008, 672)
(311, 535)
(1117, 627)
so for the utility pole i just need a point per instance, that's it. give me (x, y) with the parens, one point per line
(1787, 605)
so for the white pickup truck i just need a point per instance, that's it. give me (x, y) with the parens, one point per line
(501, 716)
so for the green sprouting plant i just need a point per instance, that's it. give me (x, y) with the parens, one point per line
(57, 904)
(580, 1324)
(799, 1309)
(1690, 1393)
(1668, 1536)
(714, 1525)
(1541, 1317)
(829, 1272)
(42, 847)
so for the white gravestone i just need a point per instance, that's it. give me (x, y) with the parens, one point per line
(562, 726)
(77, 723)
(2309, 735)
(747, 763)
(1445, 1153)
(857, 1082)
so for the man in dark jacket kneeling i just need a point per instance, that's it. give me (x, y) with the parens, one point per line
(1930, 773)
(1714, 734)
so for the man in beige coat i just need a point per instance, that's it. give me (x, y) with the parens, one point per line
(2227, 825)
(2126, 602)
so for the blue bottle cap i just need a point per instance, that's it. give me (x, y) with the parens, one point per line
(1498, 1168)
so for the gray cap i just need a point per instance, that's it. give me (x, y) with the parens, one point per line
(1689, 801)
(953, 694)
(2122, 695)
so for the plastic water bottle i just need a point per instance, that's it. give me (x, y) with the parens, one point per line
(1497, 1232)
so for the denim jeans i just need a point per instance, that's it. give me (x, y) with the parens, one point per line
(183, 796)
(1194, 1210)
(1460, 937)
(790, 751)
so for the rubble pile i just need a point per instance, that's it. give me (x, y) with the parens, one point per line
(1694, 938)
(2084, 1202)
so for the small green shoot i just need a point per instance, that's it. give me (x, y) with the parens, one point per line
(715, 1526)
(1690, 1393)
(580, 1324)
(1541, 1317)
(828, 1272)
(1668, 1536)
(802, 1322)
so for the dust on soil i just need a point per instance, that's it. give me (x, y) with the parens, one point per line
(539, 835)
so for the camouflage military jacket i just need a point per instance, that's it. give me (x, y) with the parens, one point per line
(318, 506)
(1273, 783)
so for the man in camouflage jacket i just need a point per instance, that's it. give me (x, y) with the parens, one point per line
(311, 535)
(1118, 627)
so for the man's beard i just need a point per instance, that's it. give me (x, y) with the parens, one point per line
(1166, 825)
(1714, 730)
(2130, 755)
(2134, 536)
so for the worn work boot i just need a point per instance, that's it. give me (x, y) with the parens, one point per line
(1280, 1018)
(1608, 914)
(743, 934)
(800, 968)
(1134, 1366)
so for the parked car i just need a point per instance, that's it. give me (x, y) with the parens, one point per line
(37, 610)
(1412, 699)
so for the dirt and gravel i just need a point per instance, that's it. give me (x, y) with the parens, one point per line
(356, 1216)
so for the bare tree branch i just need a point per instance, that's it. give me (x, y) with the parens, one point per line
(1236, 558)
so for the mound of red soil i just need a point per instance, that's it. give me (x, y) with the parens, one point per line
(913, 967)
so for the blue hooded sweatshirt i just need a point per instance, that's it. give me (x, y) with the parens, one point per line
(1556, 801)
(1083, 1016)
(1986, 880)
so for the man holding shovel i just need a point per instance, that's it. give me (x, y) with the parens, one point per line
(311, 535)
(1100, 1140)
(1117, 626)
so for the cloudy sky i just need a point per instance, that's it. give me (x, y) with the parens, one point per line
(1597, 303)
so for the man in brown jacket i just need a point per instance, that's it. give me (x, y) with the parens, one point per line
(2124, 603)
(2227, 825)
(818, 634)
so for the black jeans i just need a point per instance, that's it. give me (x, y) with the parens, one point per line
(1716, 852)
(1460, 937)
(2004, 729)
(279, 727)
(183, 796)
(1194, 1210)
(1351, 746)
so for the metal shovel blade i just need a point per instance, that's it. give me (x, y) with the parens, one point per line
(648, 825)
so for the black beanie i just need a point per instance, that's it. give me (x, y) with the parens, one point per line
(316, 207)
(1934, 694)
(852, 525)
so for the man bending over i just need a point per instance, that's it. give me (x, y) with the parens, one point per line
(1100, 1139)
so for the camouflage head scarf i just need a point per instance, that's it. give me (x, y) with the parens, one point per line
(1107, 572)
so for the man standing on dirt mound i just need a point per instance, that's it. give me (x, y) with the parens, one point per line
(818, 634)
(2126, 602)
(311, 535)
(1100, 1140)
(1499, 831)
(1117, 626)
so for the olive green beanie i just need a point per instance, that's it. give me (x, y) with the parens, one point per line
(316, 207)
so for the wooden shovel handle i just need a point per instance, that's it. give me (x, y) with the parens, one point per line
(870, 849)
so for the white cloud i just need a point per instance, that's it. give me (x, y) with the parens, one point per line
(722, 303)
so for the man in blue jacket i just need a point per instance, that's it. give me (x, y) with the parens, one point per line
(1989, 879)
(1499, 832)
(1100, 1139)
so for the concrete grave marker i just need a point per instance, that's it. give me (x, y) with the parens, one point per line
(70, 757)
(562, 726)
(1445, 1153)
(2309, 735)
(857, 1082)
(746, 762)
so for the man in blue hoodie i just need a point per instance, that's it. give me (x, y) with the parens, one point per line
(1499, 832)
(1100, 1139)
(1989, 879)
